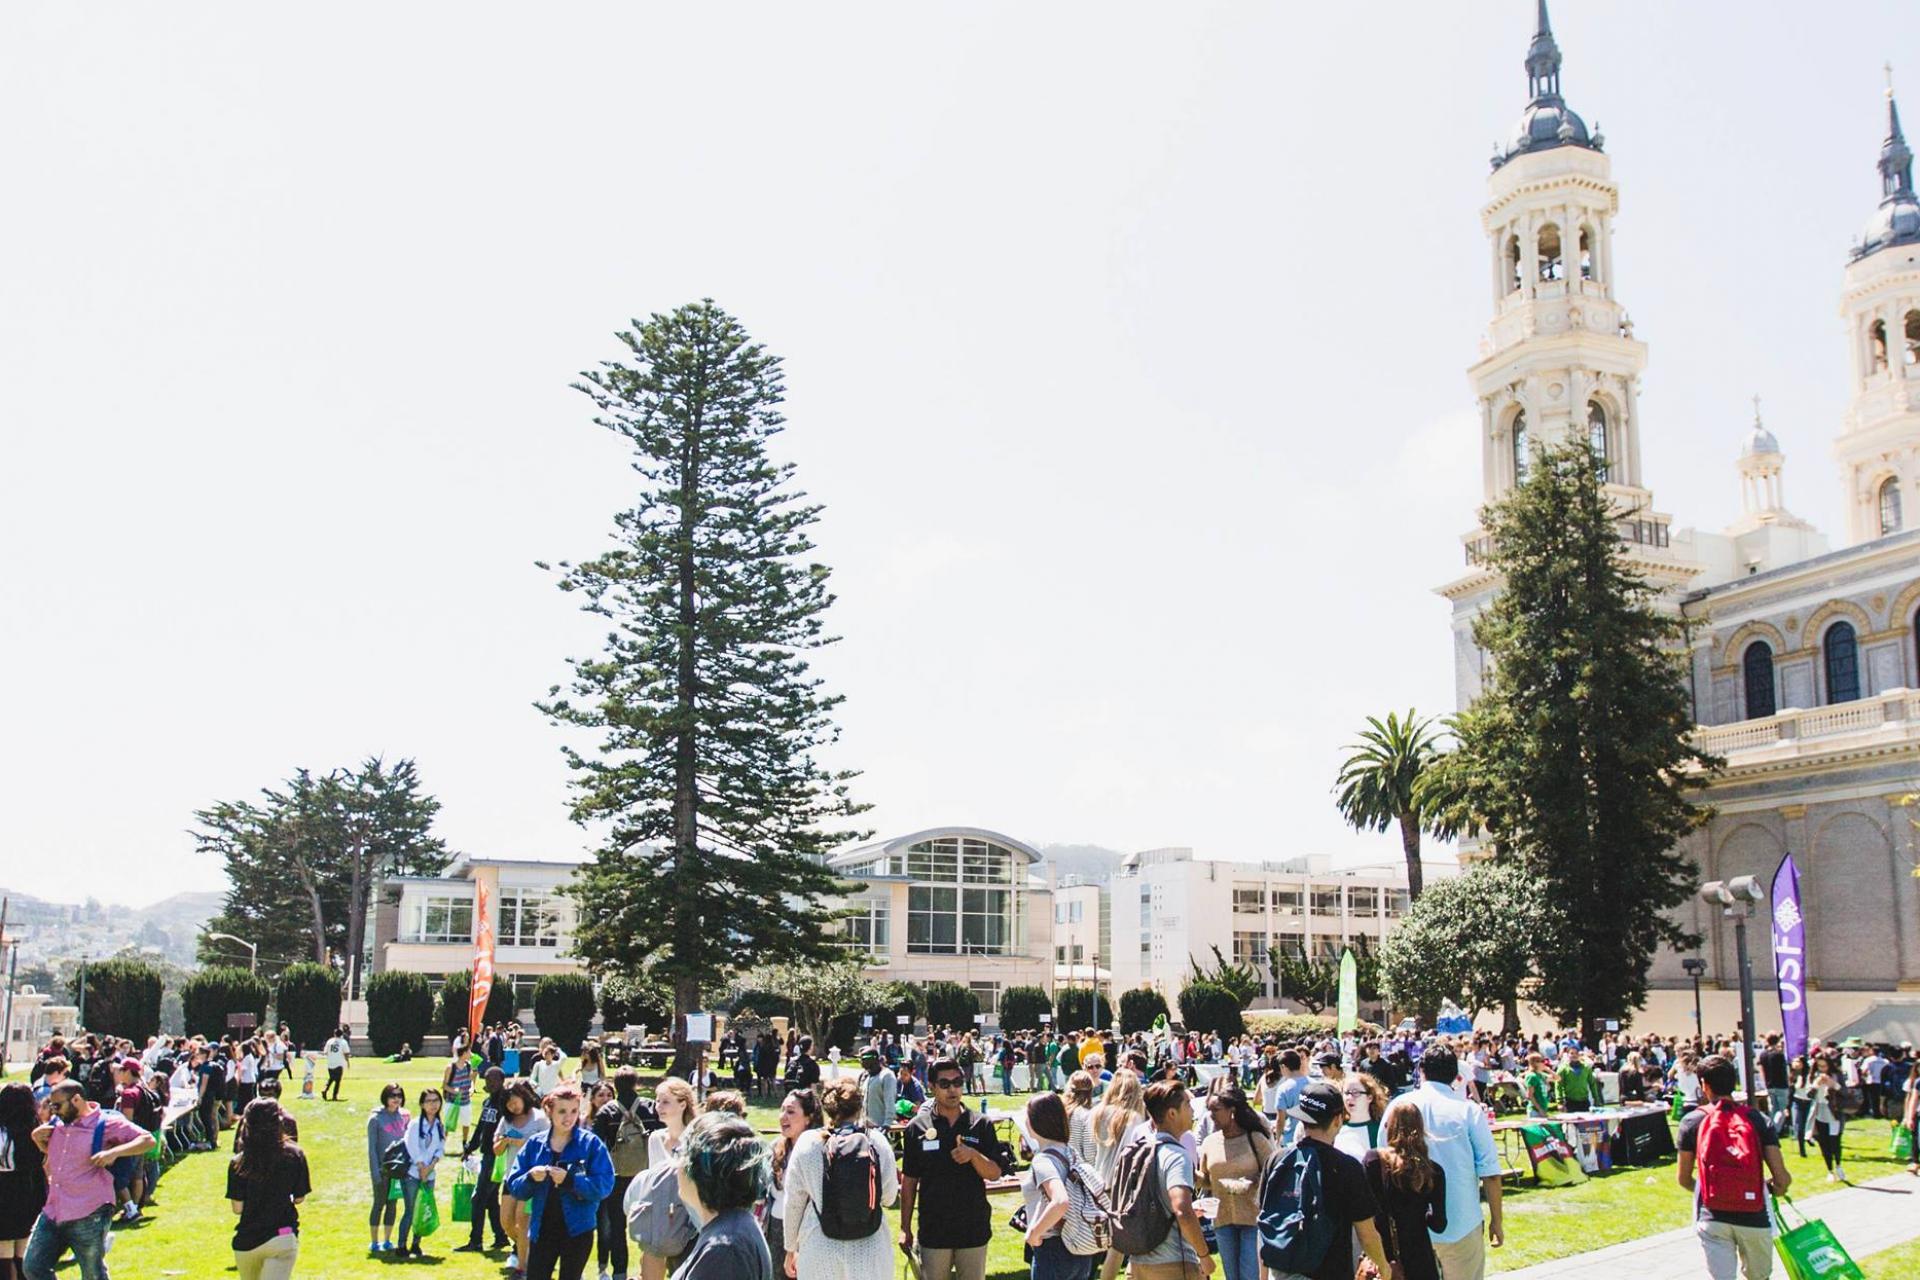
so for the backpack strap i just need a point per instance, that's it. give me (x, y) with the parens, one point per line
(99, 1131)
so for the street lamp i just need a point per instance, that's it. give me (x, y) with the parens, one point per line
(1736, 898)
(1696, 969)
(253, 952)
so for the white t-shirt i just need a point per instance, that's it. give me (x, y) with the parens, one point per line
(336, 1051)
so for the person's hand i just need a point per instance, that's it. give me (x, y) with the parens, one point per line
(1206, 1264)
(962, 1153)
(499, 1146)
(556, 1174)
(793, 1266)
(906, 1241)
(101, 1159)
(538, 1173)
(1496, 1233)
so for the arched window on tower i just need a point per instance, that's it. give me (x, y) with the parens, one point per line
(1551, 266)
(1586, 253)
(1597, 435)
(1520, 455)
(1842, 652)
(1514, 279)
(1877, 347)
(1757, 665)
(1890, 505)
(1913, 339)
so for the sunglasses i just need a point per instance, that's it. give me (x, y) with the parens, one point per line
(950, 1082)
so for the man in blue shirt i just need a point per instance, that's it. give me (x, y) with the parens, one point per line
(1460, 1141)
(1293, 1082)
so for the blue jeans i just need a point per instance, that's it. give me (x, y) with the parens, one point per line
(1239, 1252)
(409, 1195)
(87, 1237)
(1051, 1261)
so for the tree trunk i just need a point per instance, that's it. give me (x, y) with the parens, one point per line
(1410, 846)
(686, 796)
(1510, 1014)
(356, 912)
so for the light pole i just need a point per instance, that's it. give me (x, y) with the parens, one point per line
(1094, 982)
(1696, 969)
(253, 952)
(1736, 898)
(80, 1014)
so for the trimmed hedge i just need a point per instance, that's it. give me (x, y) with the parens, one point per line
(1206, 1006)
(563, 1005)
(1300, 1026)
(308, 1002)
(451, 1008)
(399, 1011)
(951, 1005)
(1073, 1008)
(1139, 1007)
(123, 999)
(212, 993)
(1021, 1007)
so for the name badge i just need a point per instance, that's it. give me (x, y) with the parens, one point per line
(930, 1144)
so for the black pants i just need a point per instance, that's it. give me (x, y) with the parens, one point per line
(209, 1112)
(1829, 1145)
(611, 1252)
(385, 1207)
(486, 1206)
(569, 1252)
(333, 1082)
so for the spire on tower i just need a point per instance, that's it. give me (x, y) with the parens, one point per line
(1896, 158)
(1897, 220)
(1547, 121)
(1543, 59)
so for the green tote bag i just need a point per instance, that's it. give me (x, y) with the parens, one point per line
(1808, 1249)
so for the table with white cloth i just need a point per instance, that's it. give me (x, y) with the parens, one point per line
(1607, 1136)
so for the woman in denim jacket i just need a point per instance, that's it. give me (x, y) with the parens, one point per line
(562, 1175)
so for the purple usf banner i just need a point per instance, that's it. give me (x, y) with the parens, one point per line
(1789, 955)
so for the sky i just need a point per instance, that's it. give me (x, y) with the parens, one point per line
(1125, 346)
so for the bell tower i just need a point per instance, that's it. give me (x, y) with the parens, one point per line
(1879, 445)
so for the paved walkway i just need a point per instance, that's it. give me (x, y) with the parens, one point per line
(1867, 1218)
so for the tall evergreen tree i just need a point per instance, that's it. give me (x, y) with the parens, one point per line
(716, 807)
(1577, 756)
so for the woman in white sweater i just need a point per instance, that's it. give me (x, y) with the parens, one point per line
(810, 1254)
(426, 1141)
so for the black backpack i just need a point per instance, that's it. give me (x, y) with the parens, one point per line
(1295, 1228)
(850, 1189)
(1140, 1217)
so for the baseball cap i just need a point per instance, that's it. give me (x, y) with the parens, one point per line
(1327, 1060)
(1319, 1103)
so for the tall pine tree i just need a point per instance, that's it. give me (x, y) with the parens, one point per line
(1577, 756)
(707, 779)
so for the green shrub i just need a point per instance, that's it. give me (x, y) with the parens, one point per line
(1021, 1007)
(563, 1005)
(894, 1000)
(768, 1004)
(1139, 1007)
(635, 1002)
(951, 1005)
(123, 999)
(211, 994)
(399, 1011)
(1073, 1009)
(308, 1002)
(1205, 1006)
(455, 992)
(1299, 1026)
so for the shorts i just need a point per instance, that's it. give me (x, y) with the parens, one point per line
(124, 1171)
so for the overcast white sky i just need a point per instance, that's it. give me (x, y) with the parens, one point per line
(1126, 349)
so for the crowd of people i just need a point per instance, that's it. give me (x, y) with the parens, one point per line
(1168, 1153)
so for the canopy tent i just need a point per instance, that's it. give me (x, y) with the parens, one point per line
(1884, 1022)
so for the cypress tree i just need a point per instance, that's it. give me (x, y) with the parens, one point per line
(707, 783)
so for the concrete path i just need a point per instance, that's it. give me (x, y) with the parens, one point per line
(1866, 1219)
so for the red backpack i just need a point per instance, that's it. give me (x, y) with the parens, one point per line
(1732, 1178)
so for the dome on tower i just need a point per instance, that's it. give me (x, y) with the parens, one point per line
(1759, 440)
(1547, 121)
(1897, 220)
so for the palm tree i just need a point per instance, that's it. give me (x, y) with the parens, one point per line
(1379, 784)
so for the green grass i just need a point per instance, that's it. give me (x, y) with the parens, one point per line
(189, 1230)
(1899, 1263)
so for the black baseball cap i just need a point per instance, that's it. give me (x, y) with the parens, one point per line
(1319, 1103)
(1327, 1060)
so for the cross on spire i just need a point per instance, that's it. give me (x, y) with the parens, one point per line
(1756, 408)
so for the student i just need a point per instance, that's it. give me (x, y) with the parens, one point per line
(722, 1172)
(1537, 1086)
(673, 1105)
(486, 1191)
(337, 1051)
(426, 1141)
(810, 1252)
(1231, 1161)
(951, 1156)
(563, 1175)
(456, 1085)
(1047, 1197)
(623, 1123)
(23, 1175)
(81, 1143)
(1183, 1253)
(266, 1182)
(386, 1126)
(1411, 1191)
(521, 1120)
(1345, 1196)
(1717, 1142)
(1459, 1139)
(799, 1115)
(1827, 1122)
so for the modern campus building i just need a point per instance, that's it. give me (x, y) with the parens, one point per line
(1804, 663)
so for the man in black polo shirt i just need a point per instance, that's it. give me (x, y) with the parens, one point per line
(951, 1156)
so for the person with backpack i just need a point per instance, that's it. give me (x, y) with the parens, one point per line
(385, 1127)
(623, 1124)
(1155, 1223)
(838, 1181)
(1730, 1159)
(80, 1144)
(1314, 1200)
(951, 1156)
(1068, 1225)
(657, 1219)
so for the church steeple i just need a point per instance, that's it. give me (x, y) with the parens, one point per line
(1547, 122)
(1896, 159)
(1543, 60)
(1897, 220)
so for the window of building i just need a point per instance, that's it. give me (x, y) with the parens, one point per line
(1363, 901)
(1293, 945)
(523, 993)
(1521, 458)
(867, 928)
(438, 918)
(1597, 435)
(1326, 902)
(1068, 912)
(529, 918)
(1146, 909)
(1551, 266)
(1396, 903)
(1326, 946)
(950, 916)
(1586, 253)
(1890, 505)
(1757, 667)
(1249, 899)
(1289, 899)
(1250, 949)
(1842, 662)
(1912, 327)
(1877, 347)
(1514, 278)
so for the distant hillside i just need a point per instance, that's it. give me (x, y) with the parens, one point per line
(1087, 862)
(52, 931)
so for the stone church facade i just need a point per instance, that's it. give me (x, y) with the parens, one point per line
(1805, 665)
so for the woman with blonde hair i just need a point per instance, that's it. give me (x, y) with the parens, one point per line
(810, 1252)
(674, 1103)
(1366, 1101)
(1122, 1107)
(1079, 1104)
(1411, 1192)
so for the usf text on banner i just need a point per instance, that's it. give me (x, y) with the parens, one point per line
(482, 987)
(1789, 955)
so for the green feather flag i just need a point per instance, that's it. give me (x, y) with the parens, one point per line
(1349, 992)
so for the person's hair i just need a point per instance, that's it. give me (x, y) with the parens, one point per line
(1404, 1150)
(1290, 1059)
(262, 1140)
(1534, 1055)
(1439, 1065)
(590, 1053)
(19, 1113)
(943, 1064)
(1047, 1117)
(1120, 1107)
(439, 1115)
(64, 1090)
(1162, 1097)
(806, 1043)
(560, 1093)
(1224, 1089)
(728, 1100)
(725, 1160)
(1719, 1074)
(842, 1100)
(1377, 1095)
(269, 1087)
(57, 1062)
(523, 1090)
(1079, 1091)
(393, 1089)
(626, 1083)
(603, 1086)
(1094, 1063)
(809, 1104)
(674, 1090)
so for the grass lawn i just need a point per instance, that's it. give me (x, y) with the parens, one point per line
(189, 1230)
(1900, 1263)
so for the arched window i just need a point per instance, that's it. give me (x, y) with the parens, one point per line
(1551, 267)
(1597, 434)
(1586, 253)
(1890, 505)
(1758, 668)
(1513, 264)
(1520, 456)
(1843, 663)
(1877, 347)
(1913, 338)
